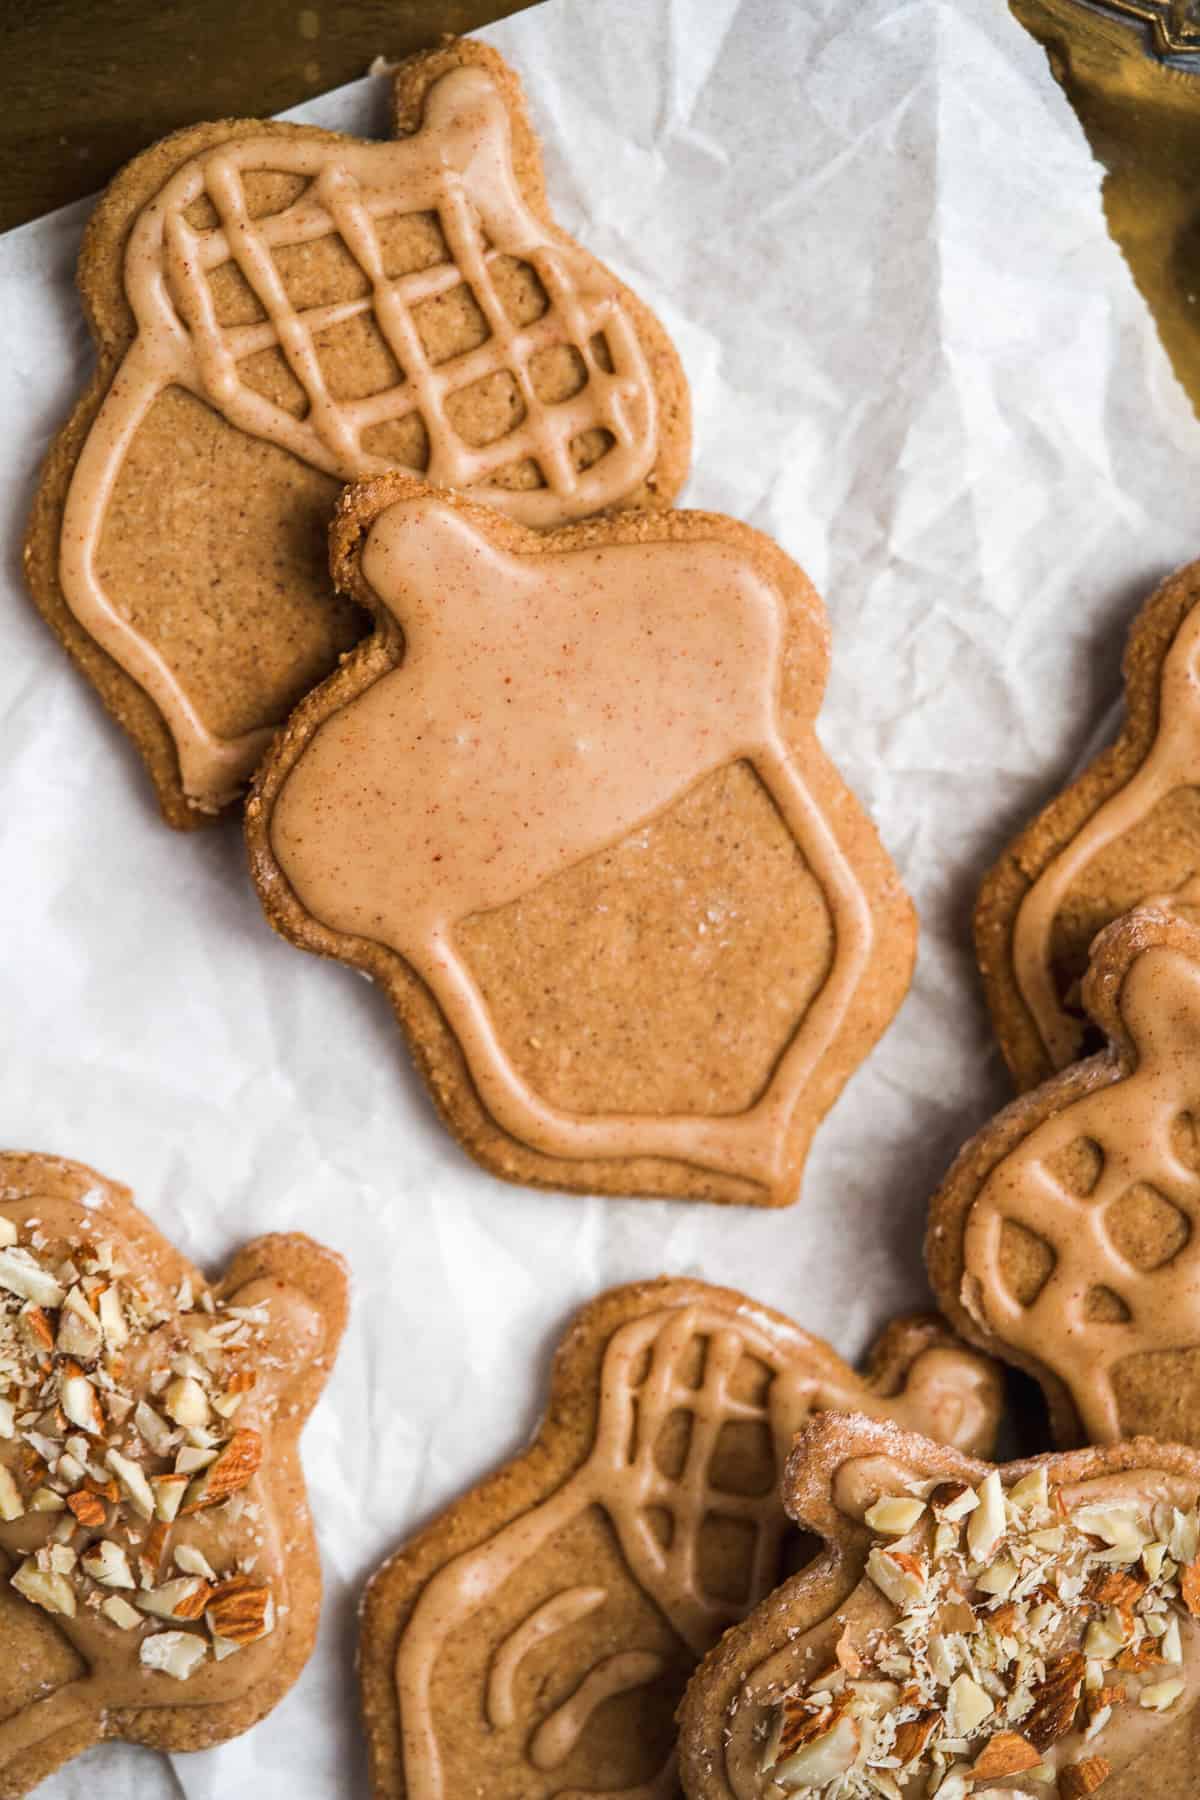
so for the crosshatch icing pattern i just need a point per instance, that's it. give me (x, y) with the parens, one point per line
(507, 361)
(466, 182)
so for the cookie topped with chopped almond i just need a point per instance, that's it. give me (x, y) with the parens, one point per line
(160, 1577)
(969, 1631)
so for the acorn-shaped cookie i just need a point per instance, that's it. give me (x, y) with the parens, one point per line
(567, 805)
(278, 309)
(1027, 1632)
(1124, 834)
(160, 1577)
(1065, 1235)
(536, 1638)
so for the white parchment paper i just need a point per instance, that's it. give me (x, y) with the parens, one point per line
(916, 359)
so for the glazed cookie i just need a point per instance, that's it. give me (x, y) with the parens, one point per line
(1021, 1633)
(278, 309)
(1065, 1236)
(536, 1638)
(1125, 833)
(567, 806)
(160, 1580)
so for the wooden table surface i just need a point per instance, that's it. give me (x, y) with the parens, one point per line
(87, 83)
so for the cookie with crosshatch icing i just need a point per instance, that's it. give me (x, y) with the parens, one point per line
(159, 1579)
(1065, 1236)
(1126, 833)
(278, 309)
(1027, 1632)
(536, 1638)
(568, 807)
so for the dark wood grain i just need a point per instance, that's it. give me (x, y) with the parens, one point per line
(88, 83)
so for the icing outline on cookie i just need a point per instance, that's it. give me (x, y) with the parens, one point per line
(458, 164)
(1173, 762)
(546, 706)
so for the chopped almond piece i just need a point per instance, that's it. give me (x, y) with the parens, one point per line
(174, 1653)
(132, 1478)
(894, 1515)
(236, 1464)
(1004, 1617)
(21, 1275)
(952, 1500)
(846, 1654)
(184, 1598)
(53, 1593)
(150, 1554)
(37, 1327)
(958, 1615)
(120, 1612)
(1115, 1587)
(10, 1496)
(1139, 1656)
(32, 1468)
(1056, 1701)
(108, 1564)
(1096, 1699)
(1189, 1587)
(1159, 1695)
(241, 1613)
(897, 1575)
(88, 1508)
(168, 1495)
(1007, 1753)
(822, 1757)
(79, 1399)
(799, 1724)
(913, 1735)
(1080, 1779)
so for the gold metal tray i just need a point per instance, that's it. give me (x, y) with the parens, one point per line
(1131, 69)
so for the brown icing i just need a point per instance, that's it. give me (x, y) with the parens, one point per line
(552, 1616)
(547, 706)
(1173, 762)
(1131, 1122)
(641, 1386)
(284, 1332)
(458, 165)
(862, 1612)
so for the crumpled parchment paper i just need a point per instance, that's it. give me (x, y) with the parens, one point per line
(916, 358)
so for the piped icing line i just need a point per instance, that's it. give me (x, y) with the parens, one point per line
(620, 1673)
(458, 165)
(553, 1616)
(1173, 762)
(212, 768)
(1130, 1121)
(611, 650)
(621, 1476)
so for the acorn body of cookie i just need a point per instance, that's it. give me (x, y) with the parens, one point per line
(538, 1635)
(567, 805)
(278, 309)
